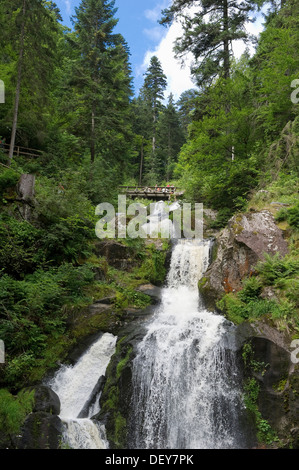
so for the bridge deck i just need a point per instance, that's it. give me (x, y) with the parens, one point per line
(152, 192)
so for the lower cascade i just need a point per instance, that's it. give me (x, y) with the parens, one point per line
(76, 386)
(186, 383)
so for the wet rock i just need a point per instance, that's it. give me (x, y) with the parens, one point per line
(245, 241)
(40, 430)
(93, 397)
(277, 376)
(118, 255)
(152, 291)
(45, 399)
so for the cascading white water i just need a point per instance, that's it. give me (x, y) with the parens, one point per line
(185, 377)
(74, 386)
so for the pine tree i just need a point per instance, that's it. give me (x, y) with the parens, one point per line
(152, 92)
(209, 32)
(102, 72)
(170, 138)
(29, 31)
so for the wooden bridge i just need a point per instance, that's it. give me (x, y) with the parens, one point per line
(152, 192)
(23, 151)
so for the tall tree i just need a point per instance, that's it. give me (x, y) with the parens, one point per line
(170, 138)
(155, 83)
(102, 72)
(208, 32)
(29, 26)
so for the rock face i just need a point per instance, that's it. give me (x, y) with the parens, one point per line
(42, 428)
(118, 255)
(45, 399)
(239, 247)
(271, 364)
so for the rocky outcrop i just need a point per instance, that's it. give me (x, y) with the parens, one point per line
(270, 362)
(42, 429)
(118, 256)
(240, 246)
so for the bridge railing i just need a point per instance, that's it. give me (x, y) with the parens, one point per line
(24, 151)
(150, 189)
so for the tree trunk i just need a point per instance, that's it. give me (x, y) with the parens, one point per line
(226, 59)
(18, 87)
(141, 163)
(92, 139)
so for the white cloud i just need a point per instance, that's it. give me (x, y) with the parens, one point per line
(155, 13)
(155, 34)
(178, 77)
(68, 6)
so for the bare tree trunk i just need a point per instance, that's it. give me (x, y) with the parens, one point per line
(141, 163)
(18, 88)
(226, 59)
(92, 140)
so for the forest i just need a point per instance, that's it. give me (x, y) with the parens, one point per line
(69, 99)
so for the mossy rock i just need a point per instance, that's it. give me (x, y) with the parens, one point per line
(116, 395)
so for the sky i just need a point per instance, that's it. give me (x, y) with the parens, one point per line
(138, 23)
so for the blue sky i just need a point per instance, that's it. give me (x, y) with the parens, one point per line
(138, 23)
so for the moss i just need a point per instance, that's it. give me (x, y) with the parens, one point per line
(264, 432)
(14, 409)
(123, 362)
(114, 407)
(120, 431)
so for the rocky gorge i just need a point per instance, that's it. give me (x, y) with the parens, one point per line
(264, 349)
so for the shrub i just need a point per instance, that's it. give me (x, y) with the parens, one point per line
(8, 179)
(13, 410)
(275, 268)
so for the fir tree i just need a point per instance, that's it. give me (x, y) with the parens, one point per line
(152, 92)
(209, 32)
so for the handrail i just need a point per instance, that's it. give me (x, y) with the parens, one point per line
(18, 150)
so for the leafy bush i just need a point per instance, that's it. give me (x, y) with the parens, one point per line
(222, 218)
(293, 216)
(275, 268)
(13, 410)
(8, 179)
(21, 249)
(32, 313)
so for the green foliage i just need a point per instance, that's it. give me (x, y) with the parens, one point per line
(265, 433)
(8, 179)
(13, 410)
(153, 268)
(293, 216)
(32, 314)
(223, 216)
(275, 268)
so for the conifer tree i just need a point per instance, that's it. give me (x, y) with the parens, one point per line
(152, 92)
(102, 72)
(170, 138)
(209, 32)
(29, 32)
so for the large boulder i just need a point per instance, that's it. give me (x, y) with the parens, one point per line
(244, 242)
(271, 363)
(40, 430)
(45, 399)
(117, 255)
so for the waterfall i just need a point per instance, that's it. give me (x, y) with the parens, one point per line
(75, 386)
(186, 391)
